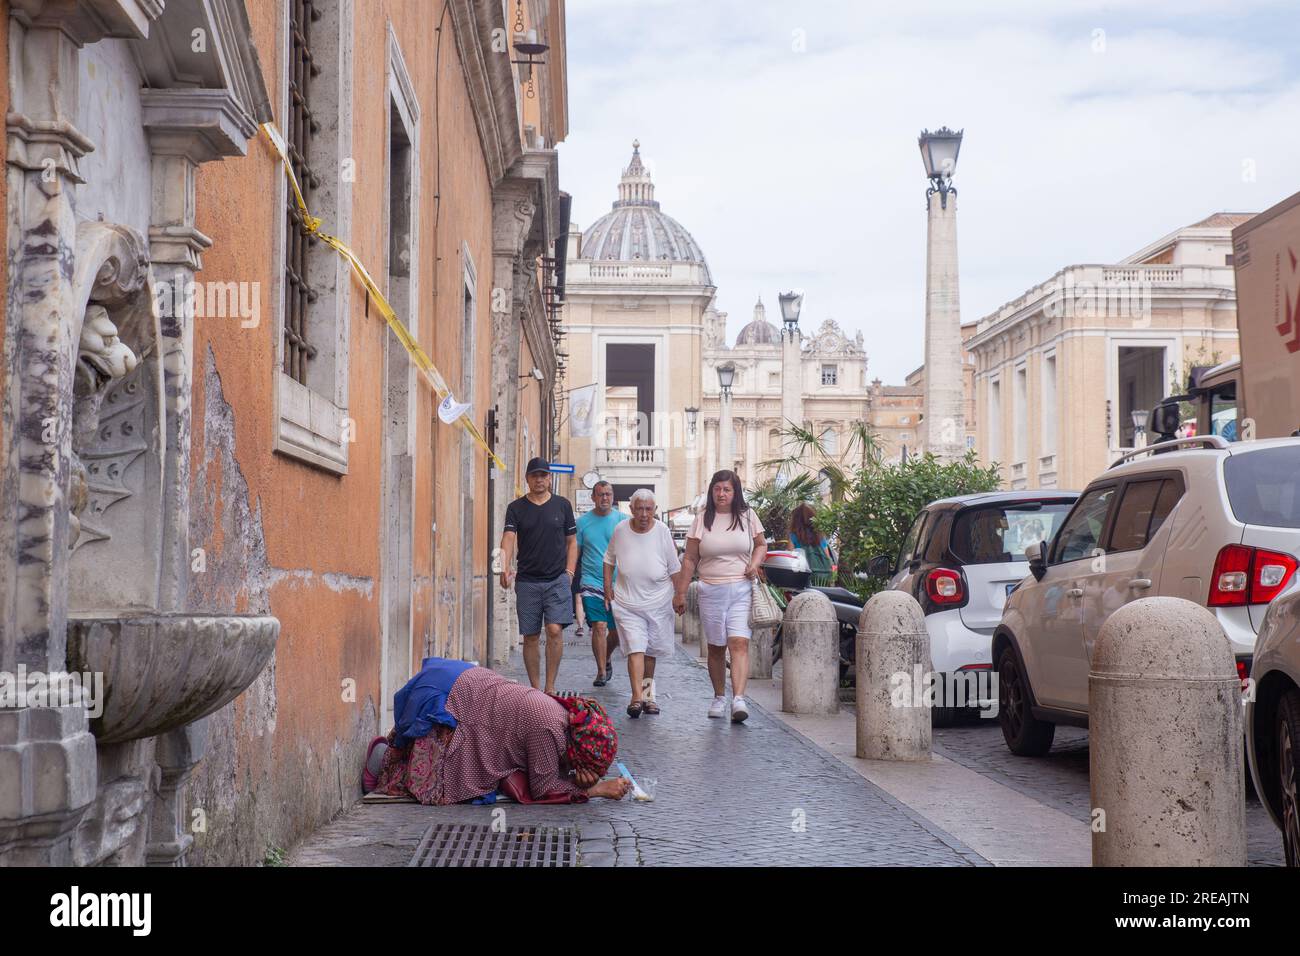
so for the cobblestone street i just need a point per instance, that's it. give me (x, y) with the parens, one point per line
(727, 794)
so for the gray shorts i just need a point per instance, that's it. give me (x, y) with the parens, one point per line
(549, 600)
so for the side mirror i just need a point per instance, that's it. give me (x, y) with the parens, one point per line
(881, 566)
(1037, 560)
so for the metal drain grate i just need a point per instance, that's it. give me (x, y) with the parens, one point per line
(459, 844)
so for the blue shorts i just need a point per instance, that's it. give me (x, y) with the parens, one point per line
(543, 602)
(597, 613)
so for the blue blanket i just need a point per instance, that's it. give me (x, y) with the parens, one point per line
(422, 701)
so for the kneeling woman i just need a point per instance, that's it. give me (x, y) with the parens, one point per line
(463, 731)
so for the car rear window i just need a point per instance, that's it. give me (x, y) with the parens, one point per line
(1264, 486)
(991, 534)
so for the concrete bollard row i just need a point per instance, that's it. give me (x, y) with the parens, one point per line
(893, 649)
(810, 655)
(760, 653)
(1165, 749)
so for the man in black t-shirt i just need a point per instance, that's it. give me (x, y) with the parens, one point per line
(541, 529)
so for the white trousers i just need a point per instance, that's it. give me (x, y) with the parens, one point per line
(645, 630)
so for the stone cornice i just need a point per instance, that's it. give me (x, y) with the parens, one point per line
(88, 21)
(490, 79)
(203, 125)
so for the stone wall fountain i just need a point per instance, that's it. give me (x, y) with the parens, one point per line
(94, 490)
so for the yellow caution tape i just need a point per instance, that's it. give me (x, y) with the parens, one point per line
(417, 354)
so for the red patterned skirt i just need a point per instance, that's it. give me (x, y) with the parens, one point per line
(415, 771)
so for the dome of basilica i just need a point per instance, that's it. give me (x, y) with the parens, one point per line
(636, 230)
(759, 331)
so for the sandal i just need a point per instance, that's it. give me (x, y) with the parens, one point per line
(635, 709)
(600, 682)
(649, 707)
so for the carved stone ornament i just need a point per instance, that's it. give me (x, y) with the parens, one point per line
(831, 340)
(118, 330)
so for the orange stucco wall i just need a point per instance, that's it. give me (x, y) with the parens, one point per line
(285, 756)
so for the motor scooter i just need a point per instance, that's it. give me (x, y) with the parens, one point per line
(788, 571)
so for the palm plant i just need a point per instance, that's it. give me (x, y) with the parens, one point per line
(773, 502)
(807, 455)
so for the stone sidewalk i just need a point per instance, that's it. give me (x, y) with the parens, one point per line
(752, 794)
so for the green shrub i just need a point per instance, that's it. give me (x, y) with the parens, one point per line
(883, 500)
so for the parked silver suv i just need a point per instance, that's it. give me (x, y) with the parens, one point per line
(1273, 718)
(1197, 518)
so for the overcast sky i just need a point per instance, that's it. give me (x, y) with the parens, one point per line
(783, 135)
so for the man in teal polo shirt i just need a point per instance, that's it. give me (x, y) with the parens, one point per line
(594, 530)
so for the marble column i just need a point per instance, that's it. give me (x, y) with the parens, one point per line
(47, 754)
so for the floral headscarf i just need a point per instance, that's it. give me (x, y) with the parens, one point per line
(593, 742)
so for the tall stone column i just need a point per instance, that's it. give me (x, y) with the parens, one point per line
(945, 420)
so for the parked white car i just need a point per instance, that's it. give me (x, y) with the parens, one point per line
(960, 560)
(1198, 518)
(1273, 718)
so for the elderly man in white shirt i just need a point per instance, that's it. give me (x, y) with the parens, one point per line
(642, 598)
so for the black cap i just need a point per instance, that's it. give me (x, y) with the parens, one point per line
(538, 464)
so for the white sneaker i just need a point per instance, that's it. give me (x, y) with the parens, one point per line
(739, 712)
(719, 707)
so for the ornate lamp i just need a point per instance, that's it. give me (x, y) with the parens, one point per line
(791, 306)
(726, 375)
(939, 153)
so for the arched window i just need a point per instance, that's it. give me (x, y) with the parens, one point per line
(830, 440)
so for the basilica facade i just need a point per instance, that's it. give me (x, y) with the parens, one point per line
(831, 386)
(645, 339)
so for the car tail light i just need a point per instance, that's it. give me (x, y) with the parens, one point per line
(1272, 571)
(1245, 575)
(944, 586)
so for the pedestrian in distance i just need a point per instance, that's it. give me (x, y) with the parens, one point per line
(594, 530)
(726, 545)
(643, 554)
(541, 531)
(804, 536)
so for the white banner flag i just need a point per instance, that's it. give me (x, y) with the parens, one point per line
(450, 409)
(582, 411)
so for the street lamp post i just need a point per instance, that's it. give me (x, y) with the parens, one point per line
(945, 426)
(693, 463)
(791, 368)
(1139, 427)
(726, 431)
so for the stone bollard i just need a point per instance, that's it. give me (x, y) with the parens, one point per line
(760, 653)
(810, 656)
(692, 626)
(893, 666)
(1165, 749)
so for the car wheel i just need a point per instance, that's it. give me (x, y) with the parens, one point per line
(1025, 734)
(1288, 763)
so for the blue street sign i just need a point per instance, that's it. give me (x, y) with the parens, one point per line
(562, 469)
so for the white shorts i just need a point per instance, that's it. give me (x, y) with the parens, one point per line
(724, 611)
(647, 630)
